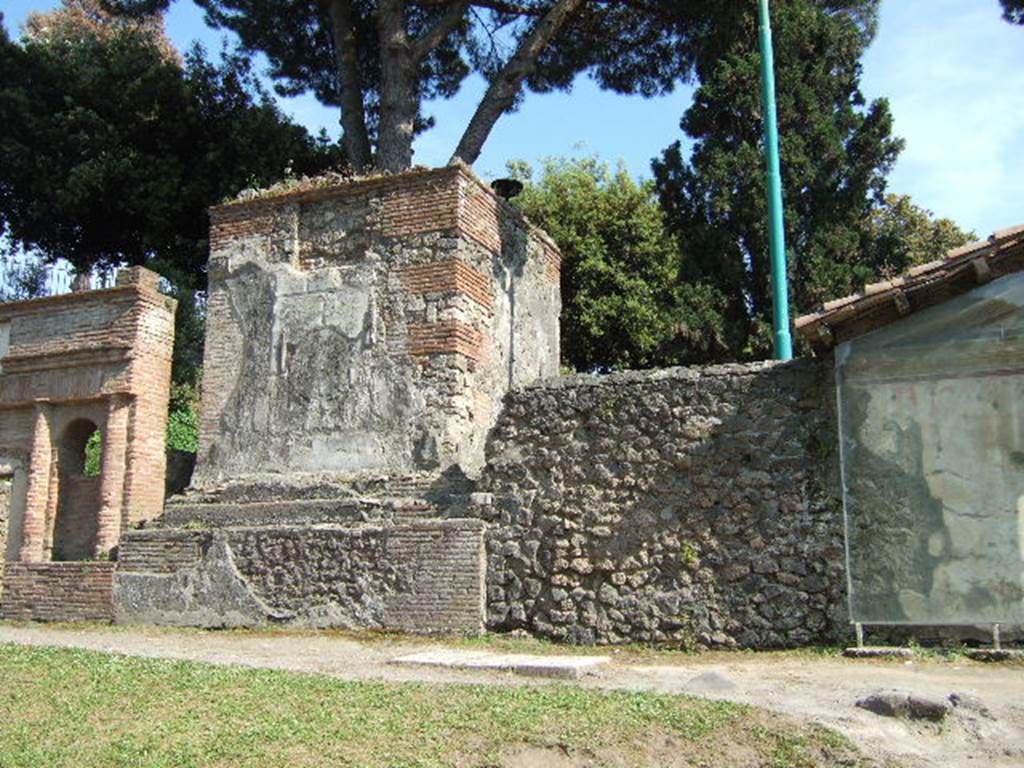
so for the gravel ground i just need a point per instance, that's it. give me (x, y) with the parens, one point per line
(990, 732)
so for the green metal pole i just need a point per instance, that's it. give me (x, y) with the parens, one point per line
(777, 233)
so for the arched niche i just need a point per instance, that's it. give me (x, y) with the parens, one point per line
(77, 521)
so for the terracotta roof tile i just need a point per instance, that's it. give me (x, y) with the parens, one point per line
(922, 269)
(1002, 234)
(963, 250)
(831, 306)
(884, 285)
(922, 286)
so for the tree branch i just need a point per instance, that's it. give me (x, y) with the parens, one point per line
(444, 27)
(490, 33)
(654, 10)
(502, 92)
(494, 5)
(350, 86)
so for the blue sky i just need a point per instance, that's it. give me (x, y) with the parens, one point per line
(953, 71)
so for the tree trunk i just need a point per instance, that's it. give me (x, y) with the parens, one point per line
(398, 91)
(355, 138)
(501, 94)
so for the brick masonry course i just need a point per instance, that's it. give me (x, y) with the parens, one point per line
(58, 591)
(375, 352)
(96, 360)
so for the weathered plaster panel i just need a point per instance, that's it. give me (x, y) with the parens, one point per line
(934, 462)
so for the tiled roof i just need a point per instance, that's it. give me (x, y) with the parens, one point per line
(923, 286)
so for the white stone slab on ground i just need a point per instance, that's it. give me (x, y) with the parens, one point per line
(562, 667)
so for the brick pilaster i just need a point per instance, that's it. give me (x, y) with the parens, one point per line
(33, 532)
(50, 518)
(115, 441)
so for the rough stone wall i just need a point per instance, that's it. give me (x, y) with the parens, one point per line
(417, 576)
(57, 591)
(690, 506)
(370, 327)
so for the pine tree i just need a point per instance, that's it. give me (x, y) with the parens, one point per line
(380, 61)
(836, 151)
(1013, 11)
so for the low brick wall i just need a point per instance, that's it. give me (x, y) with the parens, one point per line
(160, 551)
(75, 591)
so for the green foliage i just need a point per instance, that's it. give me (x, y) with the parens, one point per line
(1013, 11)
(841, 229)
(183, 418)
(20, 277)
(902, 235)
(113, 152)
(836, 151)
(93, 454)
(627, 47)
(619, 263)
(689, 555)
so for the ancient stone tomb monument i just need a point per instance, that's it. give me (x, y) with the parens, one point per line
(371, 326)
(86, 366)
(360, 339)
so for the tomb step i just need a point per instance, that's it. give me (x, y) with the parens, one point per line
(295, 512)
(308, 487)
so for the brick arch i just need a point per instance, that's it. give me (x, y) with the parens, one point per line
(76, 524)
(72, 443)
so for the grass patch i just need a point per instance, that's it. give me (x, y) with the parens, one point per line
(70, 707)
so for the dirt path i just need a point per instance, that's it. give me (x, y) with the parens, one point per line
(819, 689)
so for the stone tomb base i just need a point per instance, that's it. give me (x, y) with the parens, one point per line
(423, 576)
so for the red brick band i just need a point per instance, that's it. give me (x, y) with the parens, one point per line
(423, 207)
(449, 275)
(446, 337)
(79, 591)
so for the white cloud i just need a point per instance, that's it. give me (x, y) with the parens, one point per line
(954, 73)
